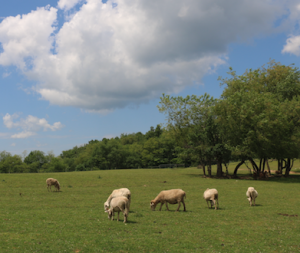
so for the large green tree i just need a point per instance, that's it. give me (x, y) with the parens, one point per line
(259, 114)
(193, 121)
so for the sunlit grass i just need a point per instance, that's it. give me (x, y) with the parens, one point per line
(73, 220)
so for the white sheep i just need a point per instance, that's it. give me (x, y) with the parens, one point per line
(52, 181)
(212, 196)
(118, 204)
(117, 193)
(175, 196)
(252, 195)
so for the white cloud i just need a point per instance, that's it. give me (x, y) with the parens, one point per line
(6, 74)
(27, 37)
(30, 125)
(68, 4)
(22, 135)
(13, 144)
(110, 56)
(292, 46)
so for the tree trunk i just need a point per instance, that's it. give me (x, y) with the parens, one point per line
(267, 161)
(264, 164)
(255, 168)
(280, 166)
(226, 166)
(260, 164)
(219, 169)
(289, 166)
(209, 169)
(237, 167)
(203, 167)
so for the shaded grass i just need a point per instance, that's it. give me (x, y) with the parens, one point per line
(73, 220)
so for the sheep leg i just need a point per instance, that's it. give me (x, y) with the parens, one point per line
(215, 204)
(254, 201)
(118, 216)
(183, 205)
(161, 206)
(167, 206)
(179, 204)
(207, 203)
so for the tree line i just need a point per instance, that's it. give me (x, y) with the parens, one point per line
(256, 118)
(136, 150)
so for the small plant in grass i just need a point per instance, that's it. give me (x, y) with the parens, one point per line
(70, 186)
(99, 177)
(138, 215)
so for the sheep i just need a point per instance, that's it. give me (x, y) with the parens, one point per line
(117, 193)
(170, 196)
(52, 181)
(118, 204)
(252, 195)
(212, 196)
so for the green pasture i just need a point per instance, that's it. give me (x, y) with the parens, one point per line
(73, 220)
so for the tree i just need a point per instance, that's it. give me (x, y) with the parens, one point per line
(9, 163)
(36, 159)
(259, 114)
(193, 121)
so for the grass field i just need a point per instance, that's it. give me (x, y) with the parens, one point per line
(73, 220)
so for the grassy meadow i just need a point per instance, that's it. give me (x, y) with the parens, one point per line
(73, 220)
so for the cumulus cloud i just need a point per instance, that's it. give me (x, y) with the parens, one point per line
(30, 125)
(26, 38)
(108, 56)
(292, 46)
(67, 4)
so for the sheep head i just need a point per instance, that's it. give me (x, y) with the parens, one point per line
(153, 205)
(106, 206)
(110, 213)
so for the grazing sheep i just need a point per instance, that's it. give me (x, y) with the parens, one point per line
(117, 193)
(52, 181)
(118, 204)
(252, 195)
(211, 195)
(175, 196)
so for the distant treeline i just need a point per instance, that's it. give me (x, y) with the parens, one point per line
(136, 150)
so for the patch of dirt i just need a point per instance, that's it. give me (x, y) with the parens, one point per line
(290, 215)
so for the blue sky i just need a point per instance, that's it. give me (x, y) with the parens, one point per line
(72, 71)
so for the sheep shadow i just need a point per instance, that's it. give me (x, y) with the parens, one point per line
(219, 208)
(257, 205)
(131, 222)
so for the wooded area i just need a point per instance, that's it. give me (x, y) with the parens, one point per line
(256, 117)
